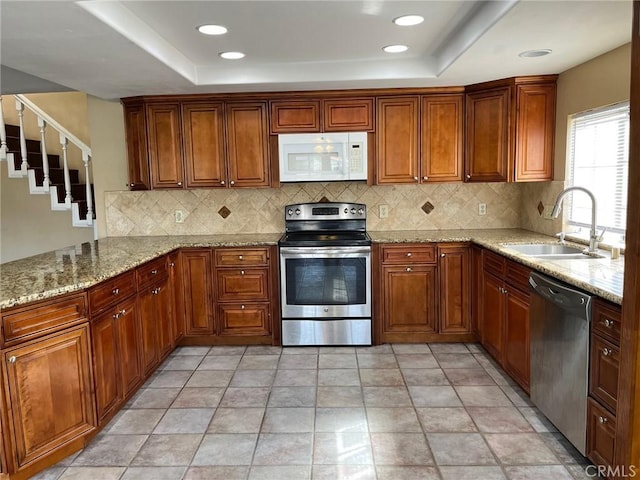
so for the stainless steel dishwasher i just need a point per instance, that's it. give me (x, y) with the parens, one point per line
(560, 316)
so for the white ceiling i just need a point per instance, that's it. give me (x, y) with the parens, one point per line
(115, 49)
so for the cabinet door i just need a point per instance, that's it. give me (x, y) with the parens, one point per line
(49, 387)
(454, 280)
(129, 348)
(165, 145)
(348, 115)
(409, 299)
(492, 315)
(487, 137)
(198, 291)
(604, 372)
(295, 116)
(441, 135)
(148, 330)
(476, 290)
(104, 337)
(137, 154)
(601, 435)
(397, 140)
(516, 332)
(243, 319)
(535, 130)
(248, 144)
(177, 289)
(203, 130)
(164, 320)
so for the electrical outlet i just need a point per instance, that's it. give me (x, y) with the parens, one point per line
(482, 209)
(179, 214)
(546, 213)
(383, 211)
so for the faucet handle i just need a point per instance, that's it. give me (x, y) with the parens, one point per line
(601, 236)
(560, 236)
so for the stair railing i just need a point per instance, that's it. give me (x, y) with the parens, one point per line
(66, 137)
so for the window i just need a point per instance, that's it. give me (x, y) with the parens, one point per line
(598, 160)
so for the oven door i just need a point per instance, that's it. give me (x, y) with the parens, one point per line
(325, 282)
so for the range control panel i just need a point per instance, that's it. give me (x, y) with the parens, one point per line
(325, 211)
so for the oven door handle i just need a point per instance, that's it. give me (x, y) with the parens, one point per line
(324, 251)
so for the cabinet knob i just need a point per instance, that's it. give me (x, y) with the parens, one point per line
(223, 182)
(179, 184)
(12, 359)
(242, 307)
(468, 177)
(241, 272)
(172, 264)
(608, 323)
(606, 352)
(603, 419)
(131, 185)
(115, 291)
(443, 254)
(415, 178)
(240, 257)
(425, 178)
(409, 254)
(409, 269)
(232, 182)
(116, 315)
(154, 271)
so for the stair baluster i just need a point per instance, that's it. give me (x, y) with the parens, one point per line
(65, 166)
(23, 141)
(3, 134)
(43, 148)
(87, 183)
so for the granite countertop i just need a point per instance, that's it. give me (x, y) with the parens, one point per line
(76, 268)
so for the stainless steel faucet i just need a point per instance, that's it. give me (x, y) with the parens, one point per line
(594, 238)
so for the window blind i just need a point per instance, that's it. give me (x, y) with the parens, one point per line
(598, 161)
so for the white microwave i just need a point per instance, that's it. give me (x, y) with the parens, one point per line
(322, 157)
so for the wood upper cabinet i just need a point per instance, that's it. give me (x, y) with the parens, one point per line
(455, 287)
(248, 144)
(441, 135)
(510, 126)
(348, 115)
(197, 278)
(204, 144)
(295, 116)
(136, 138)
(165, 145)
(397, 139)
(48, 386)
(487, 135)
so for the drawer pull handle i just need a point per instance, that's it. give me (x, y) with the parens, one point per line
(608, 323)
(409, 269)
(242, 307)
(154, 271)
(115, 291)
(603, 419)
(606, 352)
(409, 254)
(240, 257)
(12, 359)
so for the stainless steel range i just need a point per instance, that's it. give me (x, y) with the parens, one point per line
(325, 275)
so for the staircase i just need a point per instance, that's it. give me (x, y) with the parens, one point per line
(47, 173)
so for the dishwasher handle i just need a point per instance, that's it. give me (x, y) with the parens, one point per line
(561, 295)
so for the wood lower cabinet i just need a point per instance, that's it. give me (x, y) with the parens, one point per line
(177, 288)
(601, 434)
(48, 387)
(156, 324)
(504, 315)
(115, 336)
(455, 287)
(241, 319)
(197, 278)
(510, 130)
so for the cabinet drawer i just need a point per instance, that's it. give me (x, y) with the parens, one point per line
(236, 285)
(112, 291)
(517, 276)
(28, 322)
(409, 253)
(601, 434)
(243, 319)
(605, 366)
(494, 263)
(151, 271)
(228, 257)
(606, 320)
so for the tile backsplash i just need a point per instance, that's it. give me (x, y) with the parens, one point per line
(452, 206)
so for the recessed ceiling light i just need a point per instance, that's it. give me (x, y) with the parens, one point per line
(535, 53)
(212, 29)
(408, 20)
(395, 48)
(231, 55)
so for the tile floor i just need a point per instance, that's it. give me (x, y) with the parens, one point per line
(419, 412)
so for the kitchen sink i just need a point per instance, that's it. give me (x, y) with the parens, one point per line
(550, 251)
